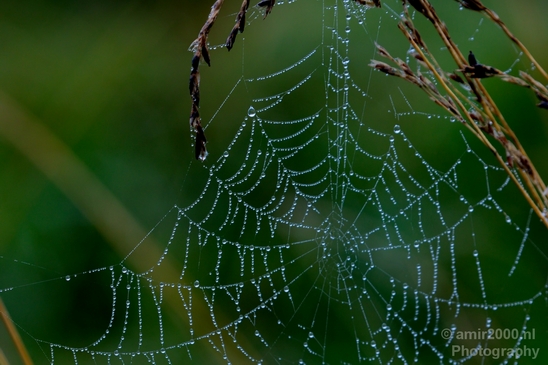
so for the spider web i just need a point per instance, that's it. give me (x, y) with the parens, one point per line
(338, 223)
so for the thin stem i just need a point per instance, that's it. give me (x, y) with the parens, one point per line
(21, 349)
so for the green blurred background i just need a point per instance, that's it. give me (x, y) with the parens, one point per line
(110, 80)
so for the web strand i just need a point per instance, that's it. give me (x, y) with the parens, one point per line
(322, 232)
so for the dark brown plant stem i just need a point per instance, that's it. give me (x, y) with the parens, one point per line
(370, 3)
(199, 47)
(268, 5)
(239, 26)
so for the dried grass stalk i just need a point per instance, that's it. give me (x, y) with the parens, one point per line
(482, 116)
(199, 47)
(370, 3)
(239, 26)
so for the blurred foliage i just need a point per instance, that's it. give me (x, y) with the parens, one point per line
(110, 80)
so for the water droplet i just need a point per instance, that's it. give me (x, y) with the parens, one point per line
(196, 284)
(67, 278)
(397, 129)
(251, 112)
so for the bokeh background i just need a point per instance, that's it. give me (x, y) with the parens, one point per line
(109, 79)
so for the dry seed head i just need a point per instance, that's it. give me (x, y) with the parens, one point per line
(426, 81)
(383, 52)
(525, 164)
(452, 106)
(476, 116)
(424, 7)
(194, 88)
(514, 80)
(411, 32)
(232, 37)
(205, 55)
(418, 39)
(534, 83)
(472, 59)
(488, 128)
(481, 71)
(456, 78)
(239, 26)
(404, 67)
(543, 101)
(542, 97)
(200, 150)
(194, 45)
(370, 3)
(475, 5)
(416, 55)
(383, 67)
(543, 104)
(268, 5)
